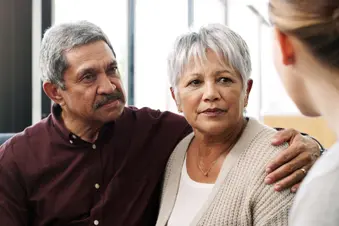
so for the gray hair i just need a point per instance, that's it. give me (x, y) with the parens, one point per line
(61, 38)
(229, 46)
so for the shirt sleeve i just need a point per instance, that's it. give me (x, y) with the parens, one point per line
(187, 130)
(318, 202)
(13, 208)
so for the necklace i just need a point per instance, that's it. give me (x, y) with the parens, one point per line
(201, 164)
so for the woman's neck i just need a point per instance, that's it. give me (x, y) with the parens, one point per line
(210, 146)
(326, 97)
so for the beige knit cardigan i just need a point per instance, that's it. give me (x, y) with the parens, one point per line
(239, 197)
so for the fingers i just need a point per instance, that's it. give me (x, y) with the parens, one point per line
(282, 136)
(286, 167)
(292, 180)
(284, 156)
(295, 188)
(286, 170)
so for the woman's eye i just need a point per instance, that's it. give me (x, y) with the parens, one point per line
(225, 80)
(194, 83)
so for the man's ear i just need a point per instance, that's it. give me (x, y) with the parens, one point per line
(285, 46)
(175, 99)
(53, 92)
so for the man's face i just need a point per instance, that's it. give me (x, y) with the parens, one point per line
(94, 91)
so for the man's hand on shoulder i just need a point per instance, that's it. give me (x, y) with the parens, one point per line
(290, 167)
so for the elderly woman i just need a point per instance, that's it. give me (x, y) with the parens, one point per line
(307, 58)
(215, 175)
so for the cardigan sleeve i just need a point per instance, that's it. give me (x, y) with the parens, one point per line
(270, 208)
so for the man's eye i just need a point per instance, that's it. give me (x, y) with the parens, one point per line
(194, 82)
(88, 77)
(112, 70)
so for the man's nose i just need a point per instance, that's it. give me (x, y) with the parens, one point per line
(105, 85)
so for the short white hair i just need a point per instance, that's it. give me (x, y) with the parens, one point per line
(227, 44)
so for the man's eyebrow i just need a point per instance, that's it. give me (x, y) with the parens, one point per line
(86, 70)
(113, 63)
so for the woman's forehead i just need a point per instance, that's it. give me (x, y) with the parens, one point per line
(211, 60)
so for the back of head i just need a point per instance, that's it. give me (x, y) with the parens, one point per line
(314, 22)
(61, 38)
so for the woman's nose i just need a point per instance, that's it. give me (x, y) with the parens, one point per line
(211, 92)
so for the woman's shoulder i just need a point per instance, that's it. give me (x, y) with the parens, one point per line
(260, 138)
(257, 127)
(269, 206)
(258, 150)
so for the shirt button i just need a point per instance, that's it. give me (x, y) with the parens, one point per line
(74, 137)
(96, 222)
(94, 146)
(71, 141)
(97, 186)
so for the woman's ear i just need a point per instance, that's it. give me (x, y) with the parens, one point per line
(175, 99)
(248, 91)
(285, 46)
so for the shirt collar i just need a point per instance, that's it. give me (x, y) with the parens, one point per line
(58, 122)
(68, 136)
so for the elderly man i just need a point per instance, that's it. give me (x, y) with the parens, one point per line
(93, 161)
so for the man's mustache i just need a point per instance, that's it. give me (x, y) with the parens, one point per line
(109, 98)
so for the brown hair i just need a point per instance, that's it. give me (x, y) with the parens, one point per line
(314, 22)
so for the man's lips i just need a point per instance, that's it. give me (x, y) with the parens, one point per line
(111, 103)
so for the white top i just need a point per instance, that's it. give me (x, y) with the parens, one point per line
(191, 197)
(317, 201)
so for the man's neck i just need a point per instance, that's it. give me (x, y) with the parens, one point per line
(85, 130)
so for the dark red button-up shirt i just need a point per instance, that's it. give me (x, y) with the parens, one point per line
(49, 176)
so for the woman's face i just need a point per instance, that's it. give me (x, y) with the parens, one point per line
(211, 96)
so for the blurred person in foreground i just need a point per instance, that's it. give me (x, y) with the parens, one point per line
(215, 175)
(94, 161)
(306, 48)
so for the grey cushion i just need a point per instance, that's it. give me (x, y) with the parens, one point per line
(4, 137)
